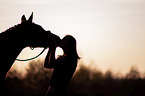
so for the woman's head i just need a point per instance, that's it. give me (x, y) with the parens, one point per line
(68, 44)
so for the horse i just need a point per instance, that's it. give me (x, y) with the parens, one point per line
(16, 38)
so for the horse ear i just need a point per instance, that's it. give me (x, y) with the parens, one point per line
(31, 18)
(23, 18)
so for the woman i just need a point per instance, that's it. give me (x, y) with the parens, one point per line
(64, 66)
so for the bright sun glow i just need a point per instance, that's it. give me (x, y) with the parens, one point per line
(109, 33)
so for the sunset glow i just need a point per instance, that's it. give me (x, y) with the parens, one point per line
(109, 33)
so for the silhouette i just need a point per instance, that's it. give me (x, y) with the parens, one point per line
(64, 66)
(13, 40)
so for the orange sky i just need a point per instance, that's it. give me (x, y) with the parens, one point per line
(110, 33)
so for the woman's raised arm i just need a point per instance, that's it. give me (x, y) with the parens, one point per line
(50, 58)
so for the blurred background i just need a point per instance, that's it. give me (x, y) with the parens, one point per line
(110, 41)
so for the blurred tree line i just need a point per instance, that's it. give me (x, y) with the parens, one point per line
(85, 82)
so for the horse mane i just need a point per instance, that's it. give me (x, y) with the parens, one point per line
(12, 28)
(9, 32)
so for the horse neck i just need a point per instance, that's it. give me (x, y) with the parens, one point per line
(11, 38)
(10, 47)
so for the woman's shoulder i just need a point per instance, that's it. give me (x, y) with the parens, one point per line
(66, 61)
(60, 57)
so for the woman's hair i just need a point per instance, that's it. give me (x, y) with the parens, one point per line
(70, 44)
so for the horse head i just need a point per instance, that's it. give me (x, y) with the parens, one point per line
(35, 36)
